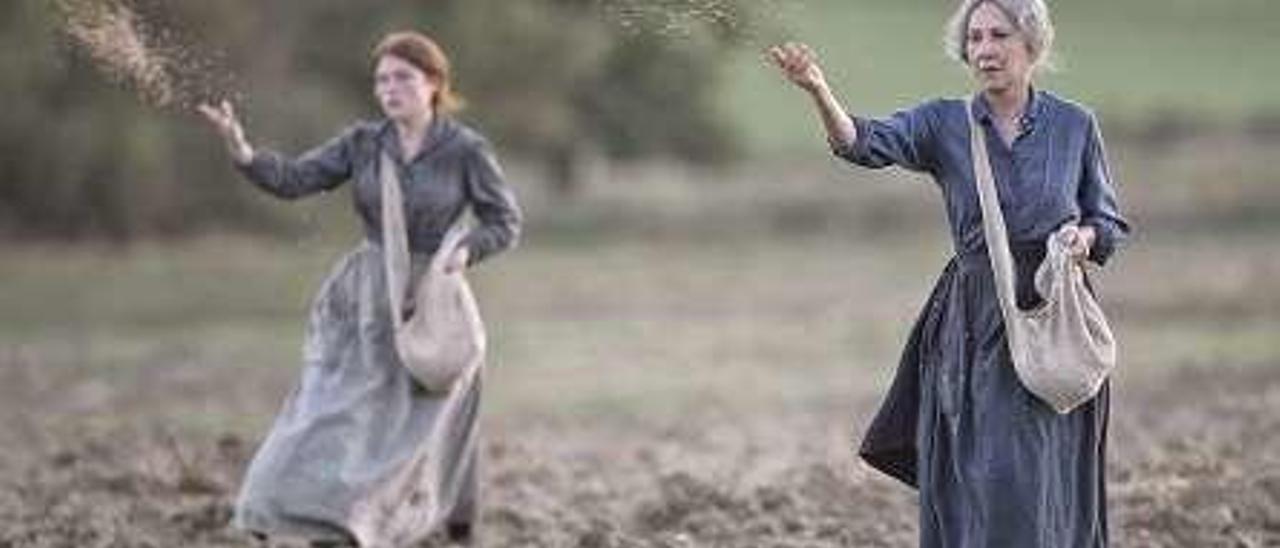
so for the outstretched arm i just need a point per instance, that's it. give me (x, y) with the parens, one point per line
(903, 139)
(321, 168)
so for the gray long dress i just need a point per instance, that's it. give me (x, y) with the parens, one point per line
(359, 451)
(994, 466)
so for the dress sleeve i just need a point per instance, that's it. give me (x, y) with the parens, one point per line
(1097, 199)
(905, 138)
(492, 202)
(319, 169)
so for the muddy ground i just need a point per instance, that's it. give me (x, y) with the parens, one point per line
(1195, 462)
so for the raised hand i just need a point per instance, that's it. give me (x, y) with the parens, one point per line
(224, 121)
(799, 64)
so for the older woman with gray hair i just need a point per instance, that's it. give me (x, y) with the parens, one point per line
(994, 465)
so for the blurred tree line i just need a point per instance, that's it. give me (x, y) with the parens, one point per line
(556, 80)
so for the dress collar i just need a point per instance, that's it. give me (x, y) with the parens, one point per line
(1030, 114)
(440, 131)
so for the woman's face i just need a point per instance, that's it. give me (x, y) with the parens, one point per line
(998, 54)
(404, 91)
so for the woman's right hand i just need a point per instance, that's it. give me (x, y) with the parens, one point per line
(224, 121)
(800, 65)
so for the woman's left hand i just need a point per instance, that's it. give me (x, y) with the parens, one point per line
(457, 261)
(1081, 242)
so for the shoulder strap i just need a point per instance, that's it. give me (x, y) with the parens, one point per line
(993, 226)
(395, 238)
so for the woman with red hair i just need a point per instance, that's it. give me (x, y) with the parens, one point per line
(361, 453)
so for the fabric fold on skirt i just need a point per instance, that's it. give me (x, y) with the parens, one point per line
(994, 466)
(359, 450)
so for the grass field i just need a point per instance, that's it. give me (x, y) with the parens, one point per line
(677, 361)
(1137, 62)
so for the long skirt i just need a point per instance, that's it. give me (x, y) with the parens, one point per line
(994, 465)
(360, 452)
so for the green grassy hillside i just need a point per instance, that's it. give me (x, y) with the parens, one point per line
(1134, 61)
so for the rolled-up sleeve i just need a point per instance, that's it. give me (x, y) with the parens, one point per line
(493, 203)
(322, 168)
(905, 138)
(1099, 207)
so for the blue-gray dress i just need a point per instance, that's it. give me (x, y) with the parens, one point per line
(359, 451)
(994, 466)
